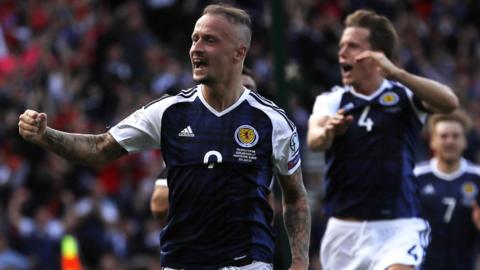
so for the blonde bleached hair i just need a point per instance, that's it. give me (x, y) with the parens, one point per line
(235, 16)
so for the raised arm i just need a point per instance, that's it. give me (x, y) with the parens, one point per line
(296, 214)
(87, 149)
(435, 96)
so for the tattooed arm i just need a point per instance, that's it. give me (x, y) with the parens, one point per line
(87, 149)
(296, 213)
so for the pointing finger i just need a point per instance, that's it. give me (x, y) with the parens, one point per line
(363, 55)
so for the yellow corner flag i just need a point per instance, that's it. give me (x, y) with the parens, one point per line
(70, 258)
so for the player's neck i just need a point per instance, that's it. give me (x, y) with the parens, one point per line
(447, 166)
(221, 96)
(368, 86)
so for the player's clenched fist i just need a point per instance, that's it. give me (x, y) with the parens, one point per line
(338, 123)
(32, 125)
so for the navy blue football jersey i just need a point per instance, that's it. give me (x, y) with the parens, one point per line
(446, 201)
(220, 171)
(370, 167)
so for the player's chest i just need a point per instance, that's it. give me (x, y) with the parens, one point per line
(200, 136)
(461, 191)
(389, 111)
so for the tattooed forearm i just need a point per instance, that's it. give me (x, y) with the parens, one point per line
(297, 224)
(297, 217)
(87, 149)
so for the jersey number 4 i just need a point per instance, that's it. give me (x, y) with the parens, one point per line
(365, 121)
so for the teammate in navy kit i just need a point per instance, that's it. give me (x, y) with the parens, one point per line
(449, 186)
(369, 128)
(222, 143)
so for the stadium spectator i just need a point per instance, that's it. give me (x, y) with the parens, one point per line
(449, 186)
(369, 128)
(219, 187)
(9, 257)
(39, 236)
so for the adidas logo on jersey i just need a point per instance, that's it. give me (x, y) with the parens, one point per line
(428, 190)
(186, 132)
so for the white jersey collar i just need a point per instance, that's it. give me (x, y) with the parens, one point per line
(385, 84)
(242, 97)
(448, 176)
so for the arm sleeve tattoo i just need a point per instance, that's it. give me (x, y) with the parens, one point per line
(86, 149)
(296, 215)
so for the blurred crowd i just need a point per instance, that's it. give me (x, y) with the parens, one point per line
(90, 63)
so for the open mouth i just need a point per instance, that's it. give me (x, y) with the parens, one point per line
(199, 64)
(346, 67)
